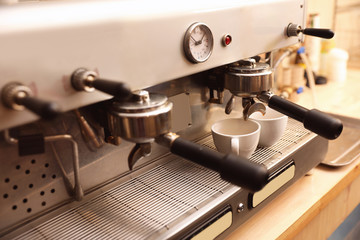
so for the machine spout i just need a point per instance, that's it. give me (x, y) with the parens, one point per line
(250, 106)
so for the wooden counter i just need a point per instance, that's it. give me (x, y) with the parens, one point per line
(317, 204)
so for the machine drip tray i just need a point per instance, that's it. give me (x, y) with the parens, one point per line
(139, 207)
(155, 203)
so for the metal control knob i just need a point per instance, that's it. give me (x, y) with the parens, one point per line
(86, 80)
(17, 96)
(294, 30)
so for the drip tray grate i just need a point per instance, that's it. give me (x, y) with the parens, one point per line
(138, 208)
(154, 200)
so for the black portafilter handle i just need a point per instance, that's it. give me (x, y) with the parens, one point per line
(83, 79)
(318, 32)
(119, 90)
(45, 109)
(232, 168)
(313, 120)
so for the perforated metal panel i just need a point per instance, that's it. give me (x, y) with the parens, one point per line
(28, 185)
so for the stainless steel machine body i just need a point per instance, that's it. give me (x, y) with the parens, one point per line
(77, 186)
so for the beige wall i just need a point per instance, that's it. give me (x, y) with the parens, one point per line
(345, 22)
(326, 10)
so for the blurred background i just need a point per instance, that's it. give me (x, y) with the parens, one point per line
(343, 16)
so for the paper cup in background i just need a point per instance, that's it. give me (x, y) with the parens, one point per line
(337, 65)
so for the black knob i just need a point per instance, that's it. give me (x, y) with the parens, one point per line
(293, 30)
(318, 32)
(86, 80)
(17, 96)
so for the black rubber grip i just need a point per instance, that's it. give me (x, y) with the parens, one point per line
(323, 124)
(319, 32)
(117, 89)
(288, 108)
(313, 120)
(45, 109)
(232, 168)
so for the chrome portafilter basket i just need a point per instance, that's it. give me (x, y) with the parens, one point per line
(249, 79)
(140, 120)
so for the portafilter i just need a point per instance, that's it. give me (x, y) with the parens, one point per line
(249, 79)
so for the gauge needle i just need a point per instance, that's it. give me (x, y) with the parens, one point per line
(194, 40)
(202, 39)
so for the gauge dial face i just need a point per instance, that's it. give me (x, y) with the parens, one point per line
(198, 43)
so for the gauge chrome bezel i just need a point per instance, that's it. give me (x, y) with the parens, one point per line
(187, 39)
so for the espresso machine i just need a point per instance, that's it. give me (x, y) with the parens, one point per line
(106, 109)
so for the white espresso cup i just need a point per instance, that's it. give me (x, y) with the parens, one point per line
(235, 135)
(273, 125)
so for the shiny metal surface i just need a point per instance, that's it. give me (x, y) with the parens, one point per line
(230, 105)
(142, 121)
(250, 108)
(82, 78)
(293, 30)
(139, 151)
(149, 203)
(345, 149)
(248, 80)
(167, 139)
(141, 102)
(74, 190)
(13, 91)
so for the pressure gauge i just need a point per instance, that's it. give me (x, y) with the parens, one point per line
(198, 43)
